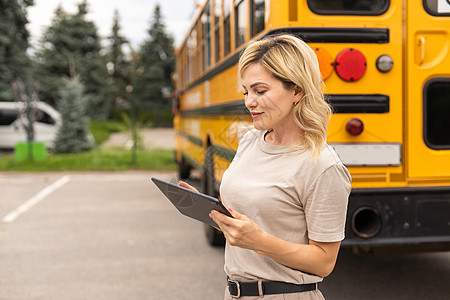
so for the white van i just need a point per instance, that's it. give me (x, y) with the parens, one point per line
(13, 131)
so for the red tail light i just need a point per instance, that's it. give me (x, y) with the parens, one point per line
(350, 64)
(354, 127)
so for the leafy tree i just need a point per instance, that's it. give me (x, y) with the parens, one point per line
(154, 68)
(73, 135)
(70, 46)
(118, 65)
(14, 62)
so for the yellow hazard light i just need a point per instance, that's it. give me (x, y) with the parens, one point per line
(325, 62)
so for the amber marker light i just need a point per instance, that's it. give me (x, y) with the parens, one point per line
(325, 62)
(354, 127)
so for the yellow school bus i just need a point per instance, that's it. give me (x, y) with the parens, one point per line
(386, 67)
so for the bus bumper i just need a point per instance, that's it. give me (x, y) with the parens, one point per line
(390, 219)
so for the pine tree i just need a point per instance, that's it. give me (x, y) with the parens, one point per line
(14, 61)
(69, 46)
(156, 64)
(73, 135)
(118, 66)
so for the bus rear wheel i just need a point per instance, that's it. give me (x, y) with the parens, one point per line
(184, 170)
(213, 236)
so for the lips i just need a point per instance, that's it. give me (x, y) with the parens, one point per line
(256, 114)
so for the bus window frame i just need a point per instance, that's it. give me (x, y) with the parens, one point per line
(240, 4)
(187, 71)
(218, 20)
(205, 19)
(193, 42)
(349, 13)
(199, 50)
(429, 10)
(252, 19)
(426, 86)
(227, 30)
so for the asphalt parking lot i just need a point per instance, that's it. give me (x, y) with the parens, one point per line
(115, 236)
(100, 236)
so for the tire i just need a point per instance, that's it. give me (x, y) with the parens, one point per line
(213, 236)
(184, 170)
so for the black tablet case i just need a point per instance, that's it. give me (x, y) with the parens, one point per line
(190, 203)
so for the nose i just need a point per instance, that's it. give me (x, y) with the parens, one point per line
(250, 101)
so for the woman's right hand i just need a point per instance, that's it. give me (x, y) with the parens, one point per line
(188, 186)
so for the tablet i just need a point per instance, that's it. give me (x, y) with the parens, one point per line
(192, 204)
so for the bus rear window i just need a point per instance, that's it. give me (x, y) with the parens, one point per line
(349, 7)
(436, 113)
(437, 7)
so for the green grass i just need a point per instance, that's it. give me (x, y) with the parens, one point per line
(108, 159)
(101, 130)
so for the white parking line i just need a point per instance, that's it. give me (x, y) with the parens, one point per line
(13, 215)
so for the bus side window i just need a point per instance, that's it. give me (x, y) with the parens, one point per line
(257, 9)
(240, 23)
(217, 13)
(226, 27)
(206, 25)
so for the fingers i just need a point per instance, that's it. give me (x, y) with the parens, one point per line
(239, 231)
(232, 228)
(218, 217)
(235, 214)
(221, 220)
(217, 227)
(186, 185)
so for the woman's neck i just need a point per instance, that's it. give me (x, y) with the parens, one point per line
(284, 136)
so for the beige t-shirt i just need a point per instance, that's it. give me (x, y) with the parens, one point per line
(289, 196)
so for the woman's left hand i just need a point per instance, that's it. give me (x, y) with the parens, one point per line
(239, 231)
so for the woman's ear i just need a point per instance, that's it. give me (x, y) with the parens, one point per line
(298, 94)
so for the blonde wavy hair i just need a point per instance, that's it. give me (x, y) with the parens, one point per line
(295, 64)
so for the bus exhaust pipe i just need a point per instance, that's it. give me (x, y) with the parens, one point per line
(366, 222)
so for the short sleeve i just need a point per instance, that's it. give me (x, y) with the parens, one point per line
(326, 205)
(244, 143)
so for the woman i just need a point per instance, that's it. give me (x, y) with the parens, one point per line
(286, 188)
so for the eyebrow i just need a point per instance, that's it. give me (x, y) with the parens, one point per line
(255, 84)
